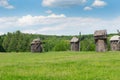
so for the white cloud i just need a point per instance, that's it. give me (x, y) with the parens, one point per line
(88, 8)
(62, 3)
(49, 12)
(5, 4)
(57, 24)
(1, 33)
(44, 30)
(69, 3)
(73, 25)
(6, 22)
(34, 20)
(99, 3)
(56, 16)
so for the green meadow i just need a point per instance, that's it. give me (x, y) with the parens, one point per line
(60, 66)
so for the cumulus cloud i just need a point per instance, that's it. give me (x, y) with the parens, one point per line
(70, 3)
(62, 3)
(57, 24)
(48, 12)
(87, 8)
(72, 25)
(5, 4)
(1, 33)
(6, 22)
(45, 29)
(99, 3)
(34, 20)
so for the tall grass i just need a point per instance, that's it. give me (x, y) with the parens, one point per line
(60, 66)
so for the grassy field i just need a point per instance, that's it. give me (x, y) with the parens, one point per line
(60, 66)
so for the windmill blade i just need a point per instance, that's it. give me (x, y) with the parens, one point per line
(118, 32)
(119, 35)
(37, 46)
(79, 35)
(119, 41)
(79, 40)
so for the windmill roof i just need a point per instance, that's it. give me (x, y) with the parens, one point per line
(36, 41)
(74, 39)
(100, 33)
(116, 37)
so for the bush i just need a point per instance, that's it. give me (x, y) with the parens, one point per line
(62, 46)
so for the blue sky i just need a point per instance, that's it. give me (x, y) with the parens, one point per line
(59, 17)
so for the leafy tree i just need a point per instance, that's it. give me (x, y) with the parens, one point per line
(20, 42)
(62, 46)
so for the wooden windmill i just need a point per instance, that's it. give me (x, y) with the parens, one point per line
(100, 37)
(36, 45)
(115, 42)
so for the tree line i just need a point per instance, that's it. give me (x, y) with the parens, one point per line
(20, 42)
